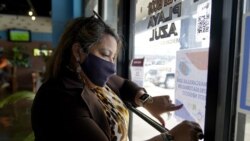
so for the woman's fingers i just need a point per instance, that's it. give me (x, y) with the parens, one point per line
(200, 135)
(197, 135)
(197, 131)
(161, 120)
(174, 107)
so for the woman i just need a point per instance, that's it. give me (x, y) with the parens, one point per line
(82, 99)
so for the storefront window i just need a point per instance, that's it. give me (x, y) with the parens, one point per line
(243, 110)
(173, 39)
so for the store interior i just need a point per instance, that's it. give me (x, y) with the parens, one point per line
(25, 47)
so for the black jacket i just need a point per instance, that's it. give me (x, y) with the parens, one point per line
(59, 113)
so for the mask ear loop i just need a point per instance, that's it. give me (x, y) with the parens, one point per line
(84, 49)
(78, 68)
(81, 75)
(79, 71)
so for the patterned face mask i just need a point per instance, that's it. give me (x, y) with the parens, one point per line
(97, 69)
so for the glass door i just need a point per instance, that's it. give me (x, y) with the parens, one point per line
(243, 108)
(172, 37)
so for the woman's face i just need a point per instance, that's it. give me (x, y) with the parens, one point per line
(105, 49)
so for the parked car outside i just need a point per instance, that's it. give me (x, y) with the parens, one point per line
(162, 73)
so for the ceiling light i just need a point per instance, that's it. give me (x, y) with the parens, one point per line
(33, 18)
(30, 13)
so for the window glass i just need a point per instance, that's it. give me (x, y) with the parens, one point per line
(173, 39)
(243, 110)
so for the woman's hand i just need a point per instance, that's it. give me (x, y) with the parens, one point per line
(184, 131)
(187, 131)
(160, 105)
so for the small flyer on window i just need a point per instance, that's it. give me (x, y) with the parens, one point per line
(203, 21)
(244, 80)
(137, 71)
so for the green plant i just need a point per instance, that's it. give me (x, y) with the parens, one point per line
(19, 103)
(17, 96)
(30, 137)
(18, 55)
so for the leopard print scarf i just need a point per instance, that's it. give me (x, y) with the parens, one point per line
(115, 111)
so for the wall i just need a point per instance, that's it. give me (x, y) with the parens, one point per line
(37, 63)
(41, 33)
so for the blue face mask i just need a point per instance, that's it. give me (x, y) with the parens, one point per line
(97, 69)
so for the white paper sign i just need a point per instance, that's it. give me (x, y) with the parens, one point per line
(203, 21)
(191, 84)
